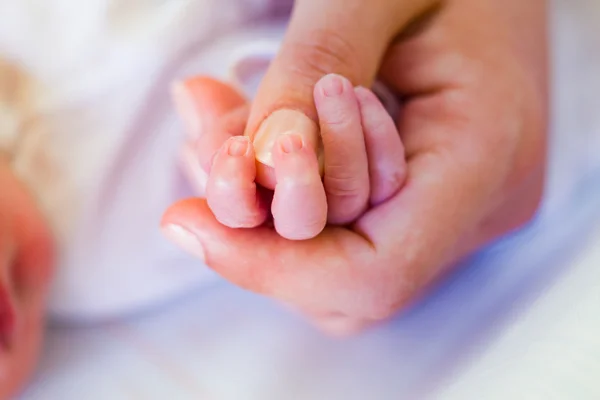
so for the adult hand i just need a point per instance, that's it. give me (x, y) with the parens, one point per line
(473, 78)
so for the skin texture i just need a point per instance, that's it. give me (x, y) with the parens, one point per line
(473, 76)
(364, 164)
(26, 256)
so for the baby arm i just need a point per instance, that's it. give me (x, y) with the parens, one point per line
(363, 159)
(25, 266)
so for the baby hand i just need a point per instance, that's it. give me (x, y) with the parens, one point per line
(363, 160)
(25, 259)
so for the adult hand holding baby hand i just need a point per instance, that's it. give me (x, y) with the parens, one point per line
(363, 165)
(472, 75)
(364, 159)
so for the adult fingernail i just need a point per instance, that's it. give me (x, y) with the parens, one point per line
(238, 146)
(332, 85)
(283, 122)
(290, 143)
(185, 106)
(186, 240)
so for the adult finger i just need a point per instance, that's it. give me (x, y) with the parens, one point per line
(320, 273)
(193, 171)
(212, 111)
(197, 155)
(338, 36)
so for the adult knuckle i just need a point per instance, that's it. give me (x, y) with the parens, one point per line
(320, 52)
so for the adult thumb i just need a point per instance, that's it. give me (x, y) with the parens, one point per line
(347, 37)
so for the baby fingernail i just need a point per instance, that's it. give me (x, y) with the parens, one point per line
(238, 146)
(284, 122)
(332, 85)
(290, 143)
(185, 106)
(186, 240)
